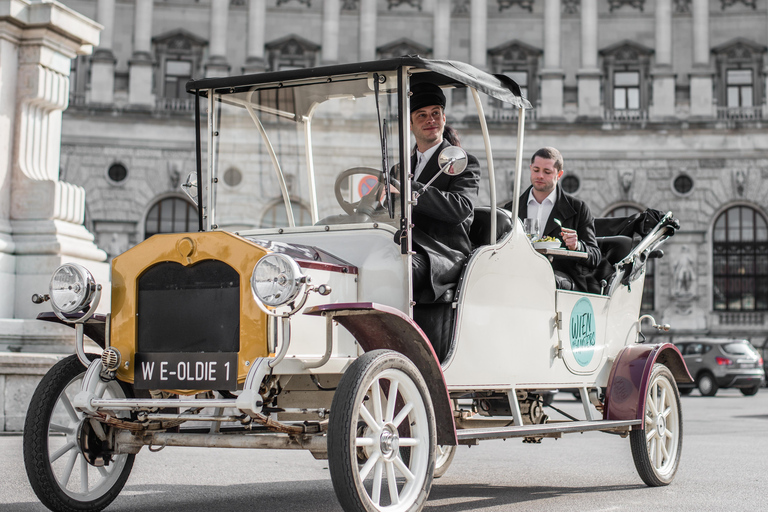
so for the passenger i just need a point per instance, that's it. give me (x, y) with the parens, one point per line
(443, 215)
(546, 201)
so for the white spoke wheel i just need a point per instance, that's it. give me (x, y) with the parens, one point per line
(443, 458)
(58, 471)
(657, 446)
(381, 435)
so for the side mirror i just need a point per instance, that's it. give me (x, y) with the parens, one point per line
(452, 160)
(190, 186)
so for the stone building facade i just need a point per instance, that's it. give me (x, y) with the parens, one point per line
(653, 103)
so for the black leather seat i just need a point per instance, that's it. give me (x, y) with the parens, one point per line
(480, 231)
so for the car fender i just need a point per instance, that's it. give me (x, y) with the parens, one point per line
(94, 327)
(628, 380)
(376, 326)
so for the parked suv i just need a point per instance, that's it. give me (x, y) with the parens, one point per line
(722, 363)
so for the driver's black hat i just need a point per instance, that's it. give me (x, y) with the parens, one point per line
(426, 94)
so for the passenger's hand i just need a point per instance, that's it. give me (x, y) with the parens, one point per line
(570, 237)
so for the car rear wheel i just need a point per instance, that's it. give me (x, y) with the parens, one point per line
(750, 391)
(58, 471)
(385, 391)
(443, 459)
(707, 384)
(656, 447)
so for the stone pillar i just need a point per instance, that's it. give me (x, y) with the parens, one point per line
(441, 43)
(478, 39)
(217, 60)
(702, 100)
(331, 15)
(663, 106)
(552, 73)
(257, 12)
(103, 60)
(41, 217)
(140, 65)
(367, 30)
(589, 74)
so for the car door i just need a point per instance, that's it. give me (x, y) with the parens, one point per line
(694, 357)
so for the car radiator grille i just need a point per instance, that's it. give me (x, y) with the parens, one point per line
(189, 308)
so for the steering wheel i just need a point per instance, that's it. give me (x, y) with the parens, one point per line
(369, 204)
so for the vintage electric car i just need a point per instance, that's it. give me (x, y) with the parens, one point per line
(299, 333)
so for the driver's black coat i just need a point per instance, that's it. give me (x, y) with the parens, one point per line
(442, 218)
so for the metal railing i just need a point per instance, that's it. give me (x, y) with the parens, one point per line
(506, 115)
(175, 104)
(625, 115)
(740, 113)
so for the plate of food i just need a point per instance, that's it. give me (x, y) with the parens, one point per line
(548, 242)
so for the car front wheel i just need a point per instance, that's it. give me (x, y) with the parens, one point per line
(656, 447)
(382, 408)
(60, 474)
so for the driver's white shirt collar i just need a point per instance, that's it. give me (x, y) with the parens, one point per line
(422, 159)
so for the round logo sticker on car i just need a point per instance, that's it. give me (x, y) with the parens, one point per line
(582, 329)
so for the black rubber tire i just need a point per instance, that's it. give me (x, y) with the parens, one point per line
(38, 430)
(750, 391)
(354, 491)
(443, 458)
(707, 384)
(659, 429)
(685, 391)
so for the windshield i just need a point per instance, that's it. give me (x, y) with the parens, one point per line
(319, 147)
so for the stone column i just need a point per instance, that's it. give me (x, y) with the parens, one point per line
(103, 60)
(257, 12)
(588, 76)
(702, 100)
(552, 73)
(217, 60)
(140, 65)
(41, 217)
(367, 30)
(478, 39)
(441, 43)
(663, 106)
(331, 15)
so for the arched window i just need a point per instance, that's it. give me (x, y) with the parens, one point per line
(170, 215)
(649, 295)
(740, 260)
(275, 216)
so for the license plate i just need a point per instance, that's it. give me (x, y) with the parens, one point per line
(173, 370)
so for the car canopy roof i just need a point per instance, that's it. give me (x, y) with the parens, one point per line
(440, 72)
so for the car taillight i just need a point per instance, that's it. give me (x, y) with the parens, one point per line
(723, 361)
(760, 362)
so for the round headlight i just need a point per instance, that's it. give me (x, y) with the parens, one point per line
(72, 288)
(276, 279)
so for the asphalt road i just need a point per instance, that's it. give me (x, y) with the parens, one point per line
(723, 466)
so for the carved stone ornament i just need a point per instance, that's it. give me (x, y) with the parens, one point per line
(308, 3)
(729, 3)
(739, 181)
(626, 178)
(461, 7)
(571, 6)
(349, 5)
(396, 3)
(684, 276)
(637, 4)
(524, 4)
(682, 6)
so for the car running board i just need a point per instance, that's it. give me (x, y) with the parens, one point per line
(466, 436)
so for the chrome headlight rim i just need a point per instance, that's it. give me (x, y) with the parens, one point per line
(76, 296)
(277, 280)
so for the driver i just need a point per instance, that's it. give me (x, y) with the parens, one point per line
(444, 211)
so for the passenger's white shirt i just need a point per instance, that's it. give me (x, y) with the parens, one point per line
(422, 159)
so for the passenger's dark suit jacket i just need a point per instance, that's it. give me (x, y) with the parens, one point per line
(572, 213)
(442, 218)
